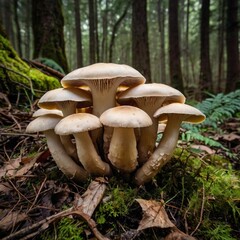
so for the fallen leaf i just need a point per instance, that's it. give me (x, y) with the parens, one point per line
(11, 219)
(5, 187)
(203, 148)
(230, 137)
(178, 236)
(154, 215)
(92, 197)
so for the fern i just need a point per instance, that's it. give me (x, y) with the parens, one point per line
(217, 109)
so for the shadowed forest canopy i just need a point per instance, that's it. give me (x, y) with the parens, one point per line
(192, 46)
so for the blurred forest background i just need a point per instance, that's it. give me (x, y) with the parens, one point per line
(192, 45)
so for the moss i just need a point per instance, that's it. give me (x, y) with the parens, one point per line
(17, 76)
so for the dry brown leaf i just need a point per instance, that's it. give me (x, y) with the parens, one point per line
(19, 166)
(203, 148)
(154, 215)
(178, 236)
(11, 219)
(92, 197)
(5, 187)
(231, 137)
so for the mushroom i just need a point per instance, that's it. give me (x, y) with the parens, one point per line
(123, 147)
(149, 97)
(103, 79)
(79, 124)
(46, 124)
(42, 112)
(175, 113)
(67, 100)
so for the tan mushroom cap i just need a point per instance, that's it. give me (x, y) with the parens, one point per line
(188, 113)
(125, 116)
(152, 90)
(43, 123)
(50, 99)
(42, 112)
(96, 71)
(76, 123)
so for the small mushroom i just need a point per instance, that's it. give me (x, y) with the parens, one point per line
(123, 146)
(46, 124)
(175, 114)
(149, 97)
(67, 100)
(79, 124)
(42, 112)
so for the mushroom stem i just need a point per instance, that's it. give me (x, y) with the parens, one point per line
(67, 107)
(88, 156)
(69, 146)
(123, 150)
(63, 161)
(147, 141)
(162, 153)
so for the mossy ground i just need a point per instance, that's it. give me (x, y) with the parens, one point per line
(201, 195)
(17, 77)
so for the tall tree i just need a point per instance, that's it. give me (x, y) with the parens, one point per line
(93, 32)
(140, 47)
(78, 33)
(18, 29)
(174, 48)
(48, 23)
(233, 65)
(161, 27)
(205, 65)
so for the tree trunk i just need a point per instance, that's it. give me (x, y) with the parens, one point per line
(18, 29)
(174, 49)
(48, 23)
(161, 26)
(140, 47)
(104, 54)
(115, 29)
(92, 32)
(27, 42)
(78, 34)
(233, 65)
(188, 82)
(205, 83)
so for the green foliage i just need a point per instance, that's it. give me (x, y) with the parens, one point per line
(217, 109)
(117, 204)
(51, 63)
(67, 229)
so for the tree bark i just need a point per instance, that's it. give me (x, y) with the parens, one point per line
(140, 47)
(161, 26)
(92, 32)
(233, 65)
(174, 48)
(205, 83)
(18, 29)
(78, 34)
(48, 23)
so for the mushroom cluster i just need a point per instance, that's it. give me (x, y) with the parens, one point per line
(105, 119)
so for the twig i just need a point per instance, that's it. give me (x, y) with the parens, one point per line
(201, 213)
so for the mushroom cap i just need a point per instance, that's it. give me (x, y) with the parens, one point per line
(152, 90)
(76, 123)
(43, 123)
(42, 112)
(125, 116)
(49, 99)
(189, 114)
(128, 75)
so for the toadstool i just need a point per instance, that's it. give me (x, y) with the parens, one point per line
(149, 97)
(79, 124)
(123, 147)
(175, 114)
(46, 124)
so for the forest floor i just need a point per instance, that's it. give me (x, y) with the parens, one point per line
(35, 196)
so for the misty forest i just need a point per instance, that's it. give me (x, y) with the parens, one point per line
(120, 119)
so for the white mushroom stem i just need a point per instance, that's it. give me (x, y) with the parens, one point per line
(147, 141)
(69, 146)
(148, 135)
(162, 153)
(67, 107)
(62, 159)
(88, 156)
(123, 150)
